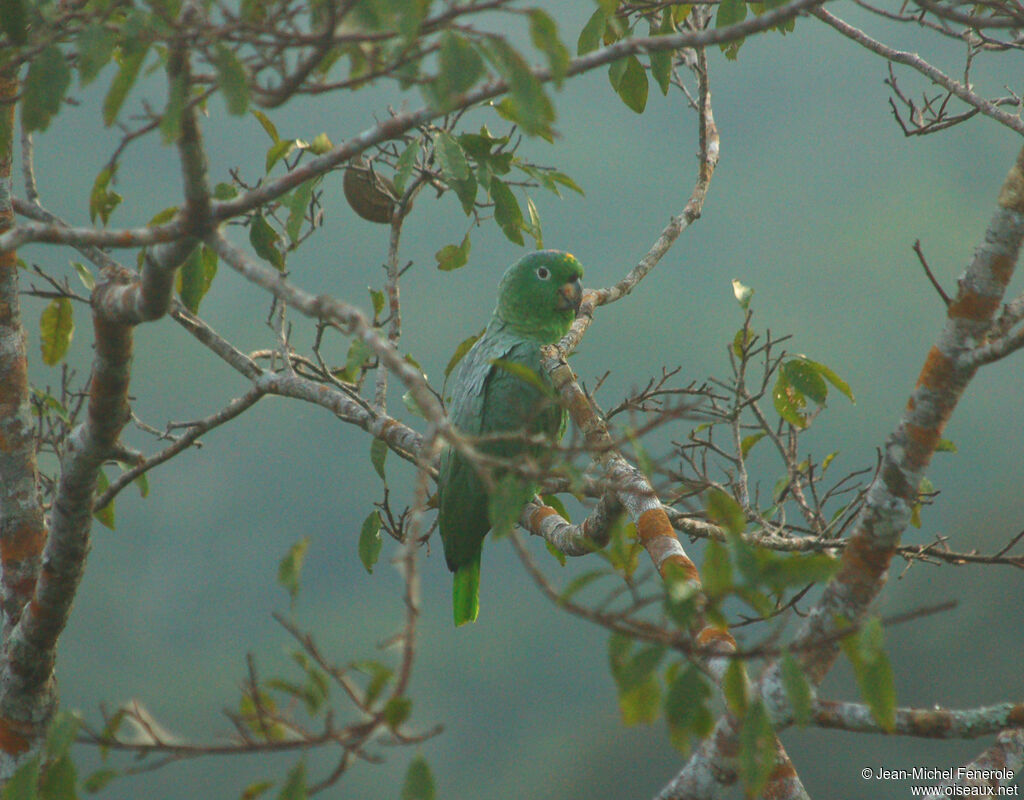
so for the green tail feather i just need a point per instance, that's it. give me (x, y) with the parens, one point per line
(466, 592)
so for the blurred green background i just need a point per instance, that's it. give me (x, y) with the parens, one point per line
(815, 204)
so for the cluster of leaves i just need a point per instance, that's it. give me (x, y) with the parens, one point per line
(469, 162)
(628, 76)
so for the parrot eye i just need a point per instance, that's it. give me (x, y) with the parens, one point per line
(543, 273)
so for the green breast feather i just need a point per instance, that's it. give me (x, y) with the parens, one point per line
(537, 300)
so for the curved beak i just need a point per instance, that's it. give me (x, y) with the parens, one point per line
(570, 295)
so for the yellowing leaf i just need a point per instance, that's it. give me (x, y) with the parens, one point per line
(56, 328)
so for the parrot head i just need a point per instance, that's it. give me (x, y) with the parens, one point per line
(540, 294)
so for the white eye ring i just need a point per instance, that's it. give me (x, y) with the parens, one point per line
(543, 273)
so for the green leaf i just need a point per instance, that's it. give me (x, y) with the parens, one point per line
(789, 403)
(661, 60)
(873, 671)
(632, 87)
(723, 510)
(377, 298)
(559, 556)
(806, 379)
(592, 33)
(297, 203)
(295, 784)
(419, 782)
(507, 213)
(267, 125)
(106, 514)
(98, 780)
(56, 329)
(22, 784)
(124, 80)
(62, 733)
(686, 707)
(397, 711)
(102, 200)
(254, 790)
(630, 669)
(142, 482)
(378, 453)
(405, 164)
(359, 352)
(450, 157)
(717, 570)
(59, 779)
(749, 441)
(95, 47)
(736, 687)
(464, 347)
(264, 239)
(453, 256)
(945, 446)
(565, 180)
(798, 689)
(232, 79)
(14, 20)
(615, 72)
(160, 217)
(828, 374)
(289, 569)
(278, 150)
(505, 504)
(196, 276)
(170, 124)
(466, 192)
(459, 68)
(544, 34)
(639, 693)
(641, 704)
(46, 83)
(530, 106)
(756, 749)
(729, 13)
(380, 676)
(321, 144)
(370, 541)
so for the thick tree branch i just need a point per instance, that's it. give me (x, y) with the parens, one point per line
(908, 451)
(926, 723)
(23, 715)
(1006, 754)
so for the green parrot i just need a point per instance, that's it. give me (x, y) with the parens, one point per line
(538, 298)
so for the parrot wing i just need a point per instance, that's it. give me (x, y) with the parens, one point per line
(488, 398)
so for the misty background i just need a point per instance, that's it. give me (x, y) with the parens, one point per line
(815, 204)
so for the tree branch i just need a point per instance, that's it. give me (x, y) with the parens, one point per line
(917, 63)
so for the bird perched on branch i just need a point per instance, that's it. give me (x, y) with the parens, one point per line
(501, 389)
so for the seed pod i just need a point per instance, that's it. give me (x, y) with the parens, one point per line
(371, 195)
